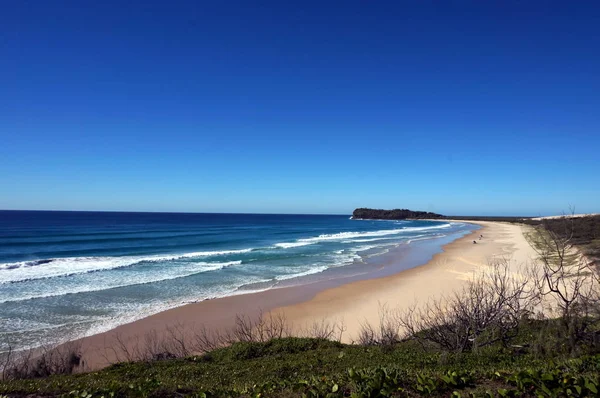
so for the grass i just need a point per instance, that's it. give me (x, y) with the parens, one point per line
(316, 367)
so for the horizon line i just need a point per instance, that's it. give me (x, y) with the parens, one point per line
(177, 212)
(237, 213)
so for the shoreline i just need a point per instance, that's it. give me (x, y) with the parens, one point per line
(351, 300)
(102, 286)
(361, 302)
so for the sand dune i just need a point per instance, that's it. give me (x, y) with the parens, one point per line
(566, 216)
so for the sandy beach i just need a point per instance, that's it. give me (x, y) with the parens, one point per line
(353, 303)
(359, 302)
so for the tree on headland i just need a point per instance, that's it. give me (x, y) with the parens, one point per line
(396, 214)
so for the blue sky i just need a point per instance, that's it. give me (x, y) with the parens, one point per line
(483, 107)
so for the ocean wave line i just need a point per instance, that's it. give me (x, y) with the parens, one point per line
(354, 235)
(185, 272)
(69, 266)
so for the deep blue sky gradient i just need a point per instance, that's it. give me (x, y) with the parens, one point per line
(482, 107)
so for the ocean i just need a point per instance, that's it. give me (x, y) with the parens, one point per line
(69, 274)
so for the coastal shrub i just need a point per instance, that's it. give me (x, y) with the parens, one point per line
(387, 331)
(377, 382)
(553, 383)
(488, 310)
(568, 284)
(181, 340)
(274, 347)
(319, 368)
(42, 362)
(261, 328)
(325, 329)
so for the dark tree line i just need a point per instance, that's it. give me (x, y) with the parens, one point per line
(396, 214)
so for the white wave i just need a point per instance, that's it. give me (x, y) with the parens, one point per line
(311, 271)
(443, 226)
(385, 232)
(124, 313)
(55, 267)
(345, 258)
(103, 282)
(423, 237)
(130, 313)
(62, 267)
(365, 240)
(366, 247)
(211, 253)
(352, 235)
(288, 245)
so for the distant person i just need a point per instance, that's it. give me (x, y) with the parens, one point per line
(475, 241)
(480, 236)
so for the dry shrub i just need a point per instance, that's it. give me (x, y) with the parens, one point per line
(260, 329)
(181, 340)
(486, 311)
(42, 361)
(325, 329)
(386, 333)
(567, 282)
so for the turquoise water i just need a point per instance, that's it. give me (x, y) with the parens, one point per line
(86, 272)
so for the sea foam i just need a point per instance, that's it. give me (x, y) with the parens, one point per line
(352, 235)
(69, 266)
(102, 282)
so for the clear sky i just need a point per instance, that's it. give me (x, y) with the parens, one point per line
(482, 107)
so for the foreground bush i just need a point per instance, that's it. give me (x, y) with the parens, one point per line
(319, 368)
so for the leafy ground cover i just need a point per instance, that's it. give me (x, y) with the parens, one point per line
(320, 368)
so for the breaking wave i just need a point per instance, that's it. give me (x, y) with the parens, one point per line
(106, 283)
(69, 266)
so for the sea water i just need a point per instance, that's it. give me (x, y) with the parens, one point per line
(67, 274)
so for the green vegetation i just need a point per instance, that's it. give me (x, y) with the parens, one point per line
(583, 232)
(322, 368)
(396, 214)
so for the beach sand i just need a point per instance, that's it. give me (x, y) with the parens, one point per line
(353, 303)
(359, 302)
